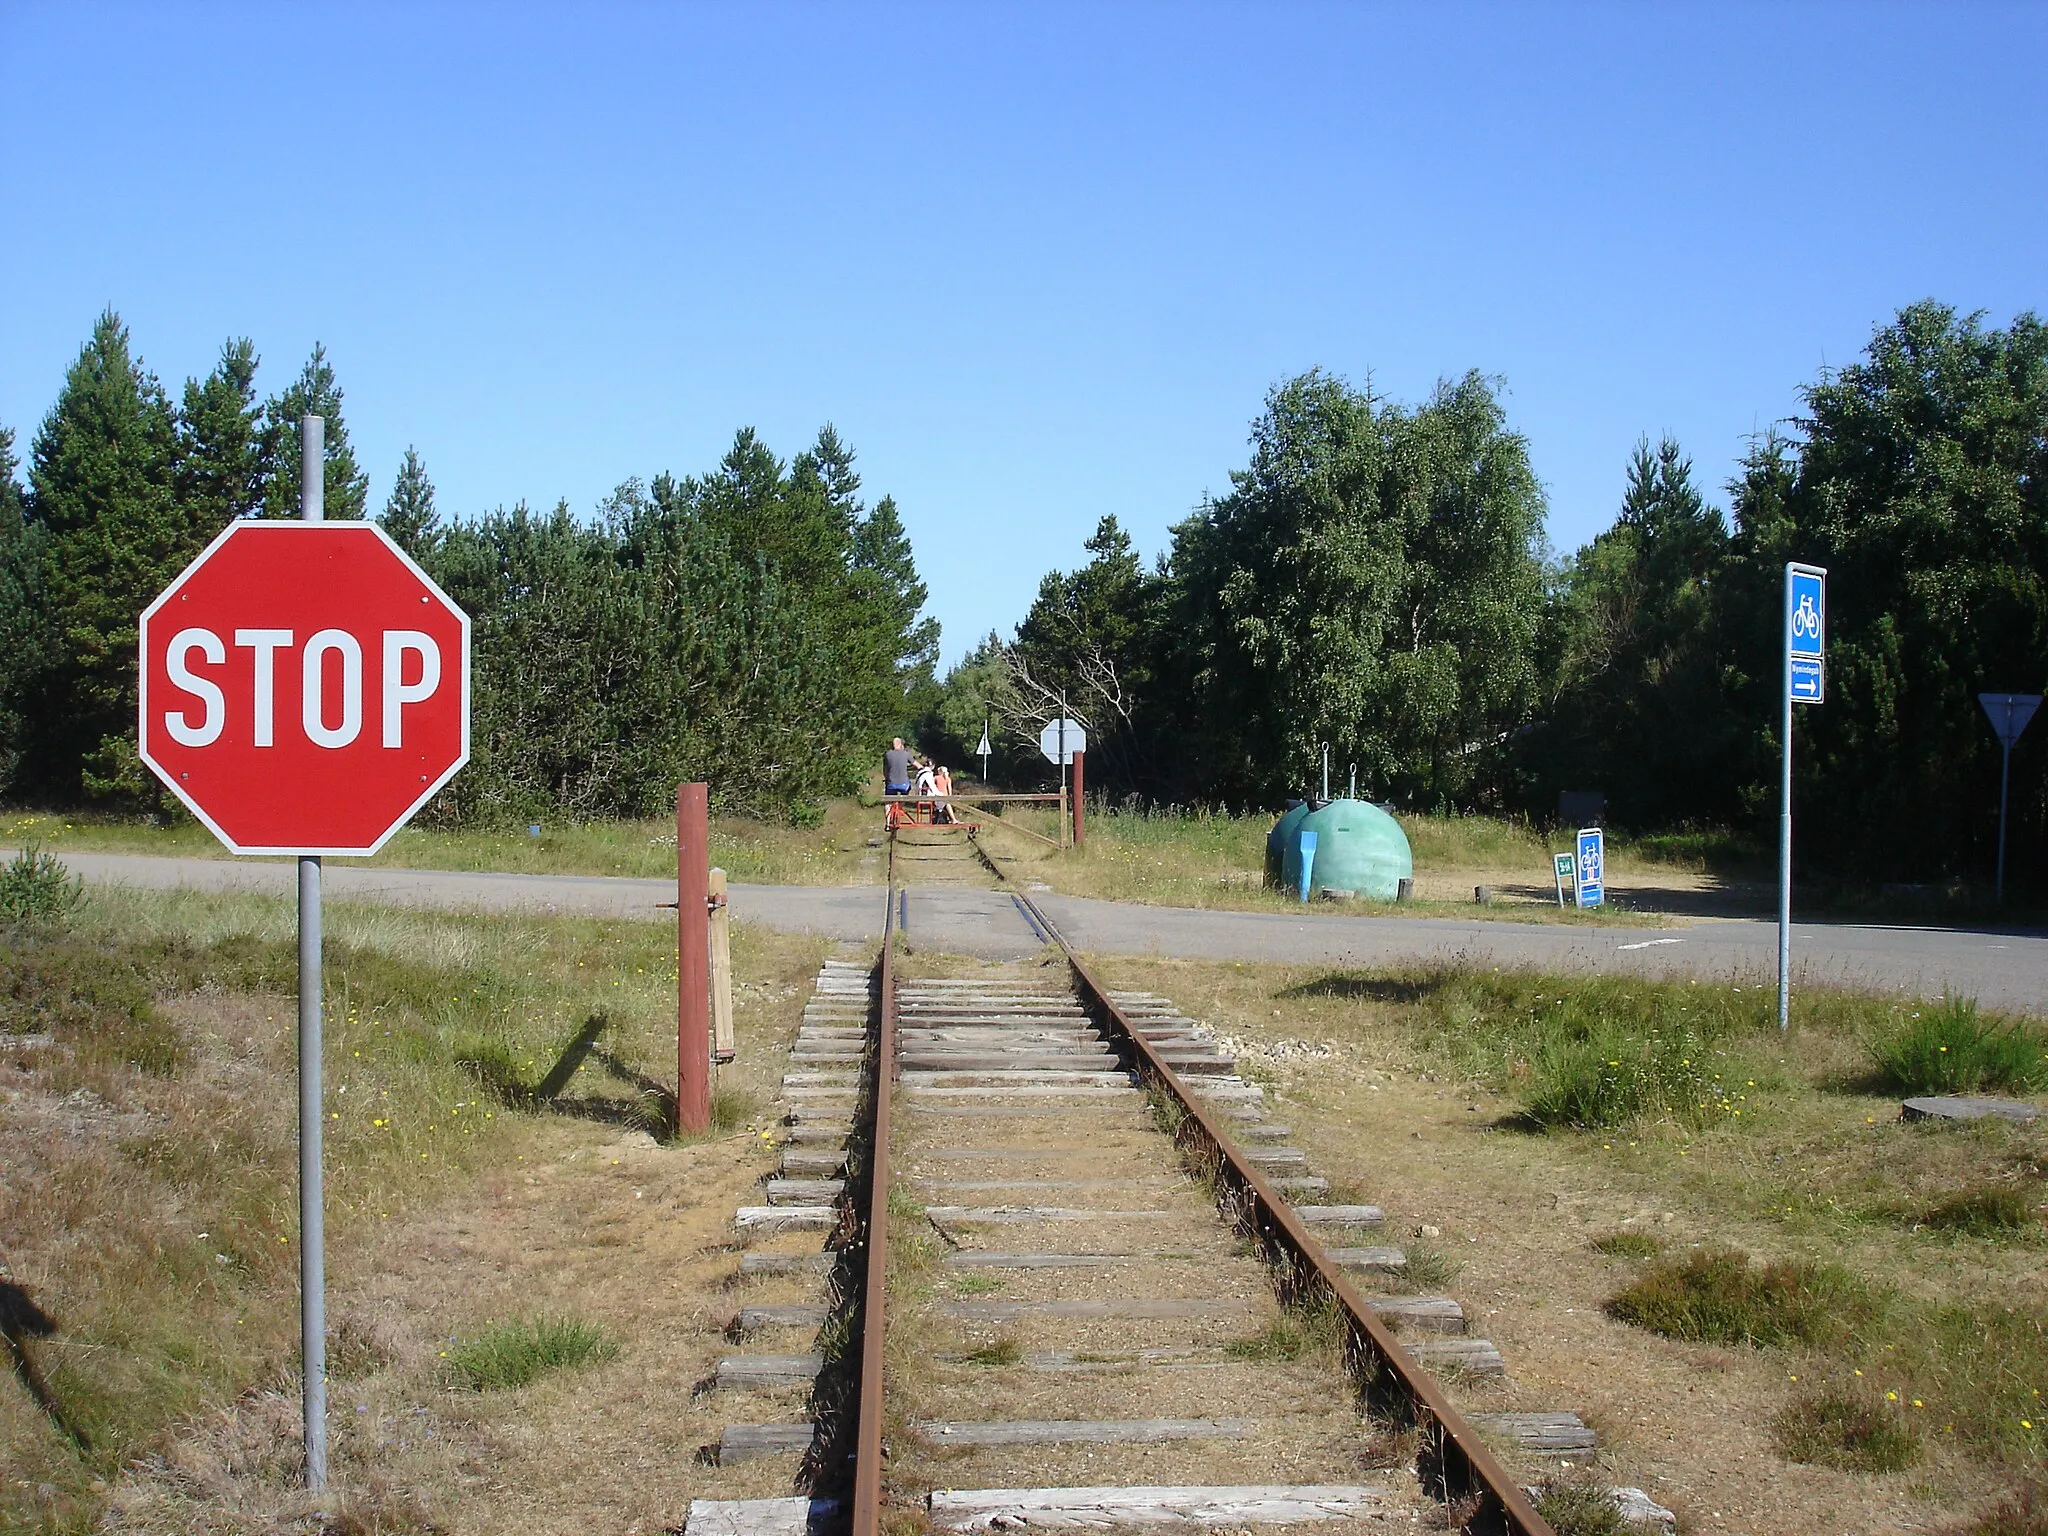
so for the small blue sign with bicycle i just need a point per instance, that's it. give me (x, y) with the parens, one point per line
(1806, 638)
(1592, 866)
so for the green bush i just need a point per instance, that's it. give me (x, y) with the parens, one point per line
(512, 1354)
(1951, 1048)
(1851, 1432)
(1716, 1295)
(35, 887)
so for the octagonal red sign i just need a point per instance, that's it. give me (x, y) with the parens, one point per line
(304, 687)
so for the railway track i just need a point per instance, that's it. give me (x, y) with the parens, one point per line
(1054, 1266)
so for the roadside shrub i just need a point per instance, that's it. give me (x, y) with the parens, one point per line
(1717, 1296)
(1850, 1432)
(35, 887)
(516, 1353)
(1951, 1048)
(1989, 1210)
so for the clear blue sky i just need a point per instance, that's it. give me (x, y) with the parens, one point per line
(1038, 263)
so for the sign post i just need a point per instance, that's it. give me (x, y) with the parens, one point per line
(1589, 871)
(982, 752)
(1562, 866)
(1060, 742)
(693, 957)
(2009, 714)
(312, 1191)
(325, 757)
(1805, 682)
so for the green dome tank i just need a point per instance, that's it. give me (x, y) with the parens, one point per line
(1278, 839)
(1359, 848)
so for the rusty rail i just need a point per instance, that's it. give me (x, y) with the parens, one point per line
(1454, 1463)
(867, 1450)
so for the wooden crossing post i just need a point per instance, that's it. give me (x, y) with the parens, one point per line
(693, 960)
(723, 1046)
(1079, 796)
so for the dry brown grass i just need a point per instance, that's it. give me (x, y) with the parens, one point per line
(152, 1212)
(1389, 1105)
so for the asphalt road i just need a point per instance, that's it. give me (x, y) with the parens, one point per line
(2005, 970)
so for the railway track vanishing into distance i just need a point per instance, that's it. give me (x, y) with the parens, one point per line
(1072, 1277)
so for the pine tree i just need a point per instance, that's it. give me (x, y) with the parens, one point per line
(409, 515)
(220, 460)
(102, 490)
(346, 489)
(13, 516)
(21, 630)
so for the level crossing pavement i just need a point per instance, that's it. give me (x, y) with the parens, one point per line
(2002, 969)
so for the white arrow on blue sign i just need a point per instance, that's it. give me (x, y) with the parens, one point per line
(1807, 680)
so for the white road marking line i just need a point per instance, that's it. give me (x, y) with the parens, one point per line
(1647, 943)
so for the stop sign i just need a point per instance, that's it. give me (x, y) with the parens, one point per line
(304, 687)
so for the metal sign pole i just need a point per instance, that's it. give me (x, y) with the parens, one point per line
(1063, 766)
(312, 1219)
(2004, 782)
(2008, 714)
(1785, 821)
(1802, 681)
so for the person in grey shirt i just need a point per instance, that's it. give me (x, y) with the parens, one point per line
(896, 769)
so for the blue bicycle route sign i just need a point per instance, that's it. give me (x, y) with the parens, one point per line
(1806, 621)
(1807, 634)
(1592, 866)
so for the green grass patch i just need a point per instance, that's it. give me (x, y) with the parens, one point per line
(1428, 1266)
(522, 1351)
(1586, 1053)
(1627, 1245)
(1005, 1351)
(1850, 1431)
(2009, 1212)
(1718, 1296)
(1599, 1074)
(1296, 1334)
(979, 1285)
(827, 853)
(1977, 1374)
(1950, 1047)
(1581, 1509)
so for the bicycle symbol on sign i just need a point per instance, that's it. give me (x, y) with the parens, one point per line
(1806, 618)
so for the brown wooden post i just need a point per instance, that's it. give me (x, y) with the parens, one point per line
(693, 958)
(1080, 796)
